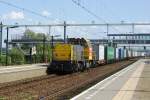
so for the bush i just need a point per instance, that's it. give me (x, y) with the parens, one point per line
(35, 59)
(17, 57)
(3, 60)
(39, 58)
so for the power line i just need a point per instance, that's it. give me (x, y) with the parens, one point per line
(24, 9)
(90, 12)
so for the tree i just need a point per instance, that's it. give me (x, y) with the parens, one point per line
(29, 34)
(40, 55)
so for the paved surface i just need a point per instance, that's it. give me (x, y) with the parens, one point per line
(131, 83)
(13, 73)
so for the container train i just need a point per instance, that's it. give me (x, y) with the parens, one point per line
(79, 54)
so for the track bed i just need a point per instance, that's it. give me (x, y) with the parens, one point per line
(58, 86)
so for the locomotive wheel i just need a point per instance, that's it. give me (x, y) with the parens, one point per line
(73, 68)
(81, 66)
(76, 67)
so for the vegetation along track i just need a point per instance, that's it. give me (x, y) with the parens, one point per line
(58, 87)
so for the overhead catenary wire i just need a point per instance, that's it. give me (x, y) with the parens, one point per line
(88, 11)
(46, 17)
(91, 13)
(24, 9)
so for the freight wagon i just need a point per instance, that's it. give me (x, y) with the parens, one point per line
(109, 54)
(121, 53)
(99, 51)
(104, 54)
(117, 54)
(130, 54)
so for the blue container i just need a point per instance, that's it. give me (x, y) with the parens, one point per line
(121, 53)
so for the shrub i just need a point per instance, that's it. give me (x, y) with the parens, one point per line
(3, 60)
(17, 57)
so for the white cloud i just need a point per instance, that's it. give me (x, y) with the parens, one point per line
(46, 13)
(14, 15)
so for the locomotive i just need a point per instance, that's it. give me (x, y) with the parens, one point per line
(76, 55)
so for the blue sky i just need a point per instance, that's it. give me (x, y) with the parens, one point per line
(109, 10)
(60, 10)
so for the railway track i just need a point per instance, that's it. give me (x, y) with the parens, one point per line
(83, 84)
(56, 86)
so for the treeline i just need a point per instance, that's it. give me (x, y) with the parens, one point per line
(20, 54)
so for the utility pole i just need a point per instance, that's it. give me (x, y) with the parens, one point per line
(30, 55)
(64, 31)
(7, 47)
(44, 40)
(107, 31)
(49, 30)
(1, 34)
(7, 43)
(52, 46)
